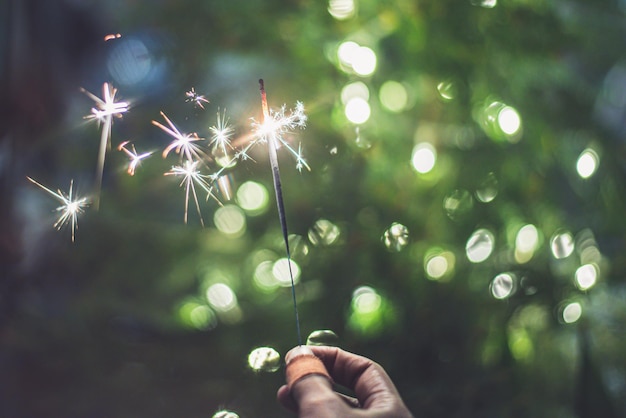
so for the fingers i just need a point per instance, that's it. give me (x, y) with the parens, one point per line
(370, 382)
(311, 371)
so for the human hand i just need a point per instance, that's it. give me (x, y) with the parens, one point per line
(312, 395)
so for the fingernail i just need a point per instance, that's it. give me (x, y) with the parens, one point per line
(300, 350)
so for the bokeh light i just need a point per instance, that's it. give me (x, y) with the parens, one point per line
(253, 197)
(264, 359)
(503, 285)
(225, 414)
(393, 96)
(586, 276)
(357, 110)
(562, 244)
(526, 242)
(280, 270)
(197, 315)
(221, 297)
(360, 60)
(458, 203)
(366, 300)
(324, 233)
(488, 189)
(341, 9)
(396, 237)
(322, 337)
(129, 61)
(439, 264)
(424, 157)
(356, 89)
(587, 163)
(480, 245)
(230, 220)
(572, 312)
(264, 277)
(500, 121)
(509, 121)
(487, 4)
(364, 61)
(447, 90)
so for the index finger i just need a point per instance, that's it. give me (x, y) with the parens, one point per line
(369, 381)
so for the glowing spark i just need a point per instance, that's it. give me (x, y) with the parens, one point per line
(104, 111)
(70, 207)
(192, 177)
(183, 143)
(221, 134)
(277, 123)
(196, 98)
(112, 36)
(135, 158)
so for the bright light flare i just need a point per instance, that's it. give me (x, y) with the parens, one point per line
(192, 177)
(279, 123)
(106, 107)
(135, 158)
(221, 134)
(183, 144)
(70, 207)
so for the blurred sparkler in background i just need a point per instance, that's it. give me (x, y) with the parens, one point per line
(70, 208)
(105, 109)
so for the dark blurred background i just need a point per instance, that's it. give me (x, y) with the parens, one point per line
(462, 223)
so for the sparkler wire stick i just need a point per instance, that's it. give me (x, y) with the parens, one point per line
(278, 190)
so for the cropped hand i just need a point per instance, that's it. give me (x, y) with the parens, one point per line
(312, 395)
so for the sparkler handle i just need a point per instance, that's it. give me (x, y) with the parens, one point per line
(278, 191)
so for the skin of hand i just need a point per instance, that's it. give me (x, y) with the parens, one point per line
(313, 396)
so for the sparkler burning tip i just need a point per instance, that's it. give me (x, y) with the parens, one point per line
(70, 207)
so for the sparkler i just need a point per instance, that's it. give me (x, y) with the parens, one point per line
(135, 158)
(192, 177)
(196, 98)
(272, 128)
(106, 108)
(183, 144)
(70, 207)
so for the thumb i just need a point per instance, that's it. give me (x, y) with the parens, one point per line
(309, 384)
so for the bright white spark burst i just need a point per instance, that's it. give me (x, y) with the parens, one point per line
(192, 177)
(105, 110)
(70, 207)
(184, 144)
(196, 98)
(226, 152)
(280, 123)
(221, 134)
(135, 158)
